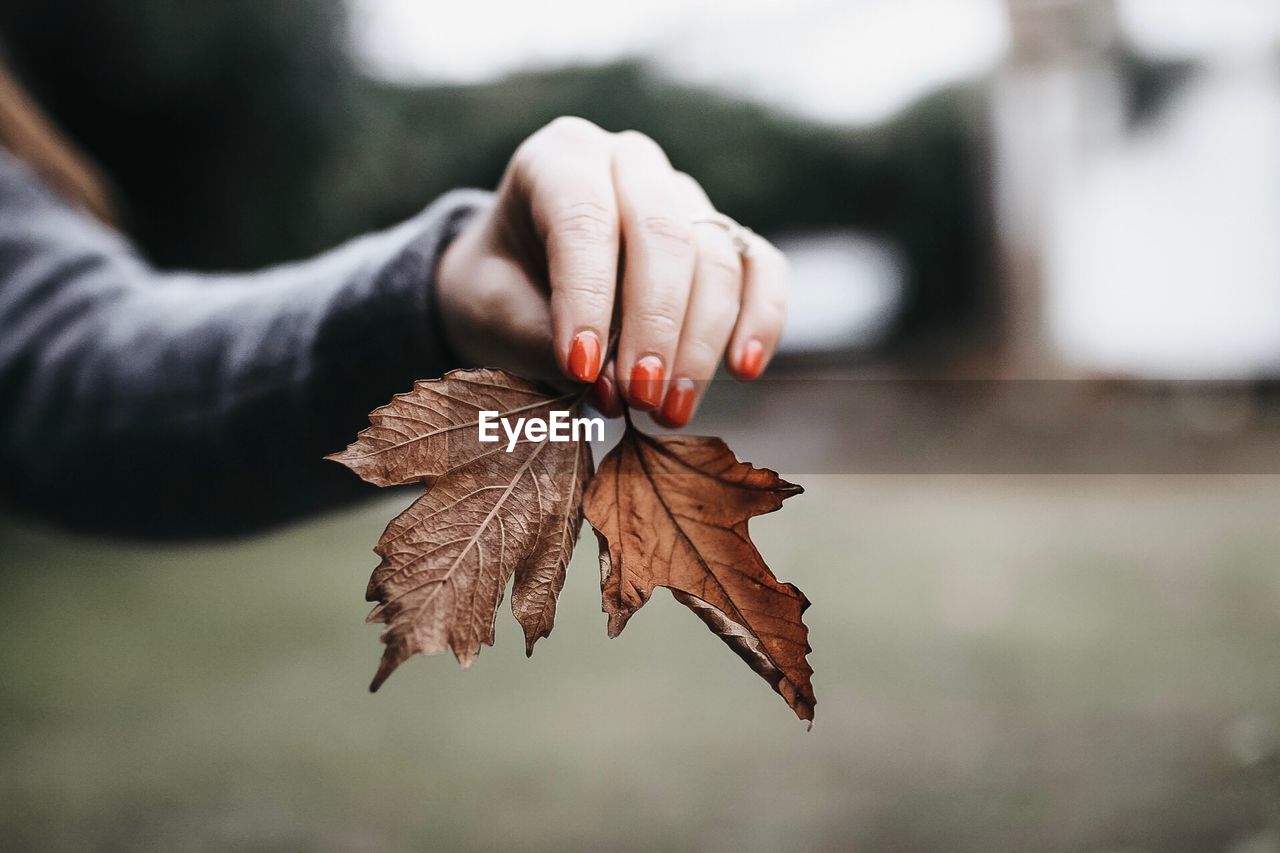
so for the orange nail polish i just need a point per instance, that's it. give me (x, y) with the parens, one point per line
(584, 357)
(751, 362)
(599, 395)
(646, 382)
(677, 408)
(603, 399)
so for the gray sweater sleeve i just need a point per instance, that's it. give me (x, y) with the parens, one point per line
(141, 402)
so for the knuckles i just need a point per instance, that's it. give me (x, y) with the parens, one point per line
(572, 129)
(660, 322)
(722, 260)
(586, 221)
(664, 230)
(699, 354)
(566, 134)
(634, 139)
(589, 292)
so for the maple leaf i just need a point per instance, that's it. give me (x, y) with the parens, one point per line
(487, 514)
(672, 511)
(668, 511)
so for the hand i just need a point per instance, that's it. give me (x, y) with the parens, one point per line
(530, 285)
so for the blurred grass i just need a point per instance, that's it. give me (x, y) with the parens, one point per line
(1003, 663)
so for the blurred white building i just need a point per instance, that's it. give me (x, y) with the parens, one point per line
(1163, 253)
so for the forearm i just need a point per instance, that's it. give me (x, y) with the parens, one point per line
(171, 404)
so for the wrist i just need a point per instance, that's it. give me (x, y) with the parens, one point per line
(448, 279)
(454, 279)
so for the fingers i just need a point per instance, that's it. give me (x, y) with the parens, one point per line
(604, 393)
(660, 252)
(687, 296)
(711, 315)
(501, 296)
(567, 177)
(764, 309)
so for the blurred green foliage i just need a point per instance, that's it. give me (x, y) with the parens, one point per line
(914, 181)
(240, 133)
(215, 121)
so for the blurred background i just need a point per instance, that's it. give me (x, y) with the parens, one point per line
(1029, 383)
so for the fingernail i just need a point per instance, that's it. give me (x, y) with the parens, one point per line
(677, 408)
(646, 382)
(751, 362)
(584, 357)
(603, 399)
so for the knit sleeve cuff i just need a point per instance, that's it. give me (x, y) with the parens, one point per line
(411, 278)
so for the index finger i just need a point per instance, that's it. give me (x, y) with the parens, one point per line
(574, 209)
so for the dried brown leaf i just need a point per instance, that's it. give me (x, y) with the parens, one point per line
(486, 514)
(668, 511)
(672, 511)
(432, 429)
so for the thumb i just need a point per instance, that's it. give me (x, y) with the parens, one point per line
(505, 322)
